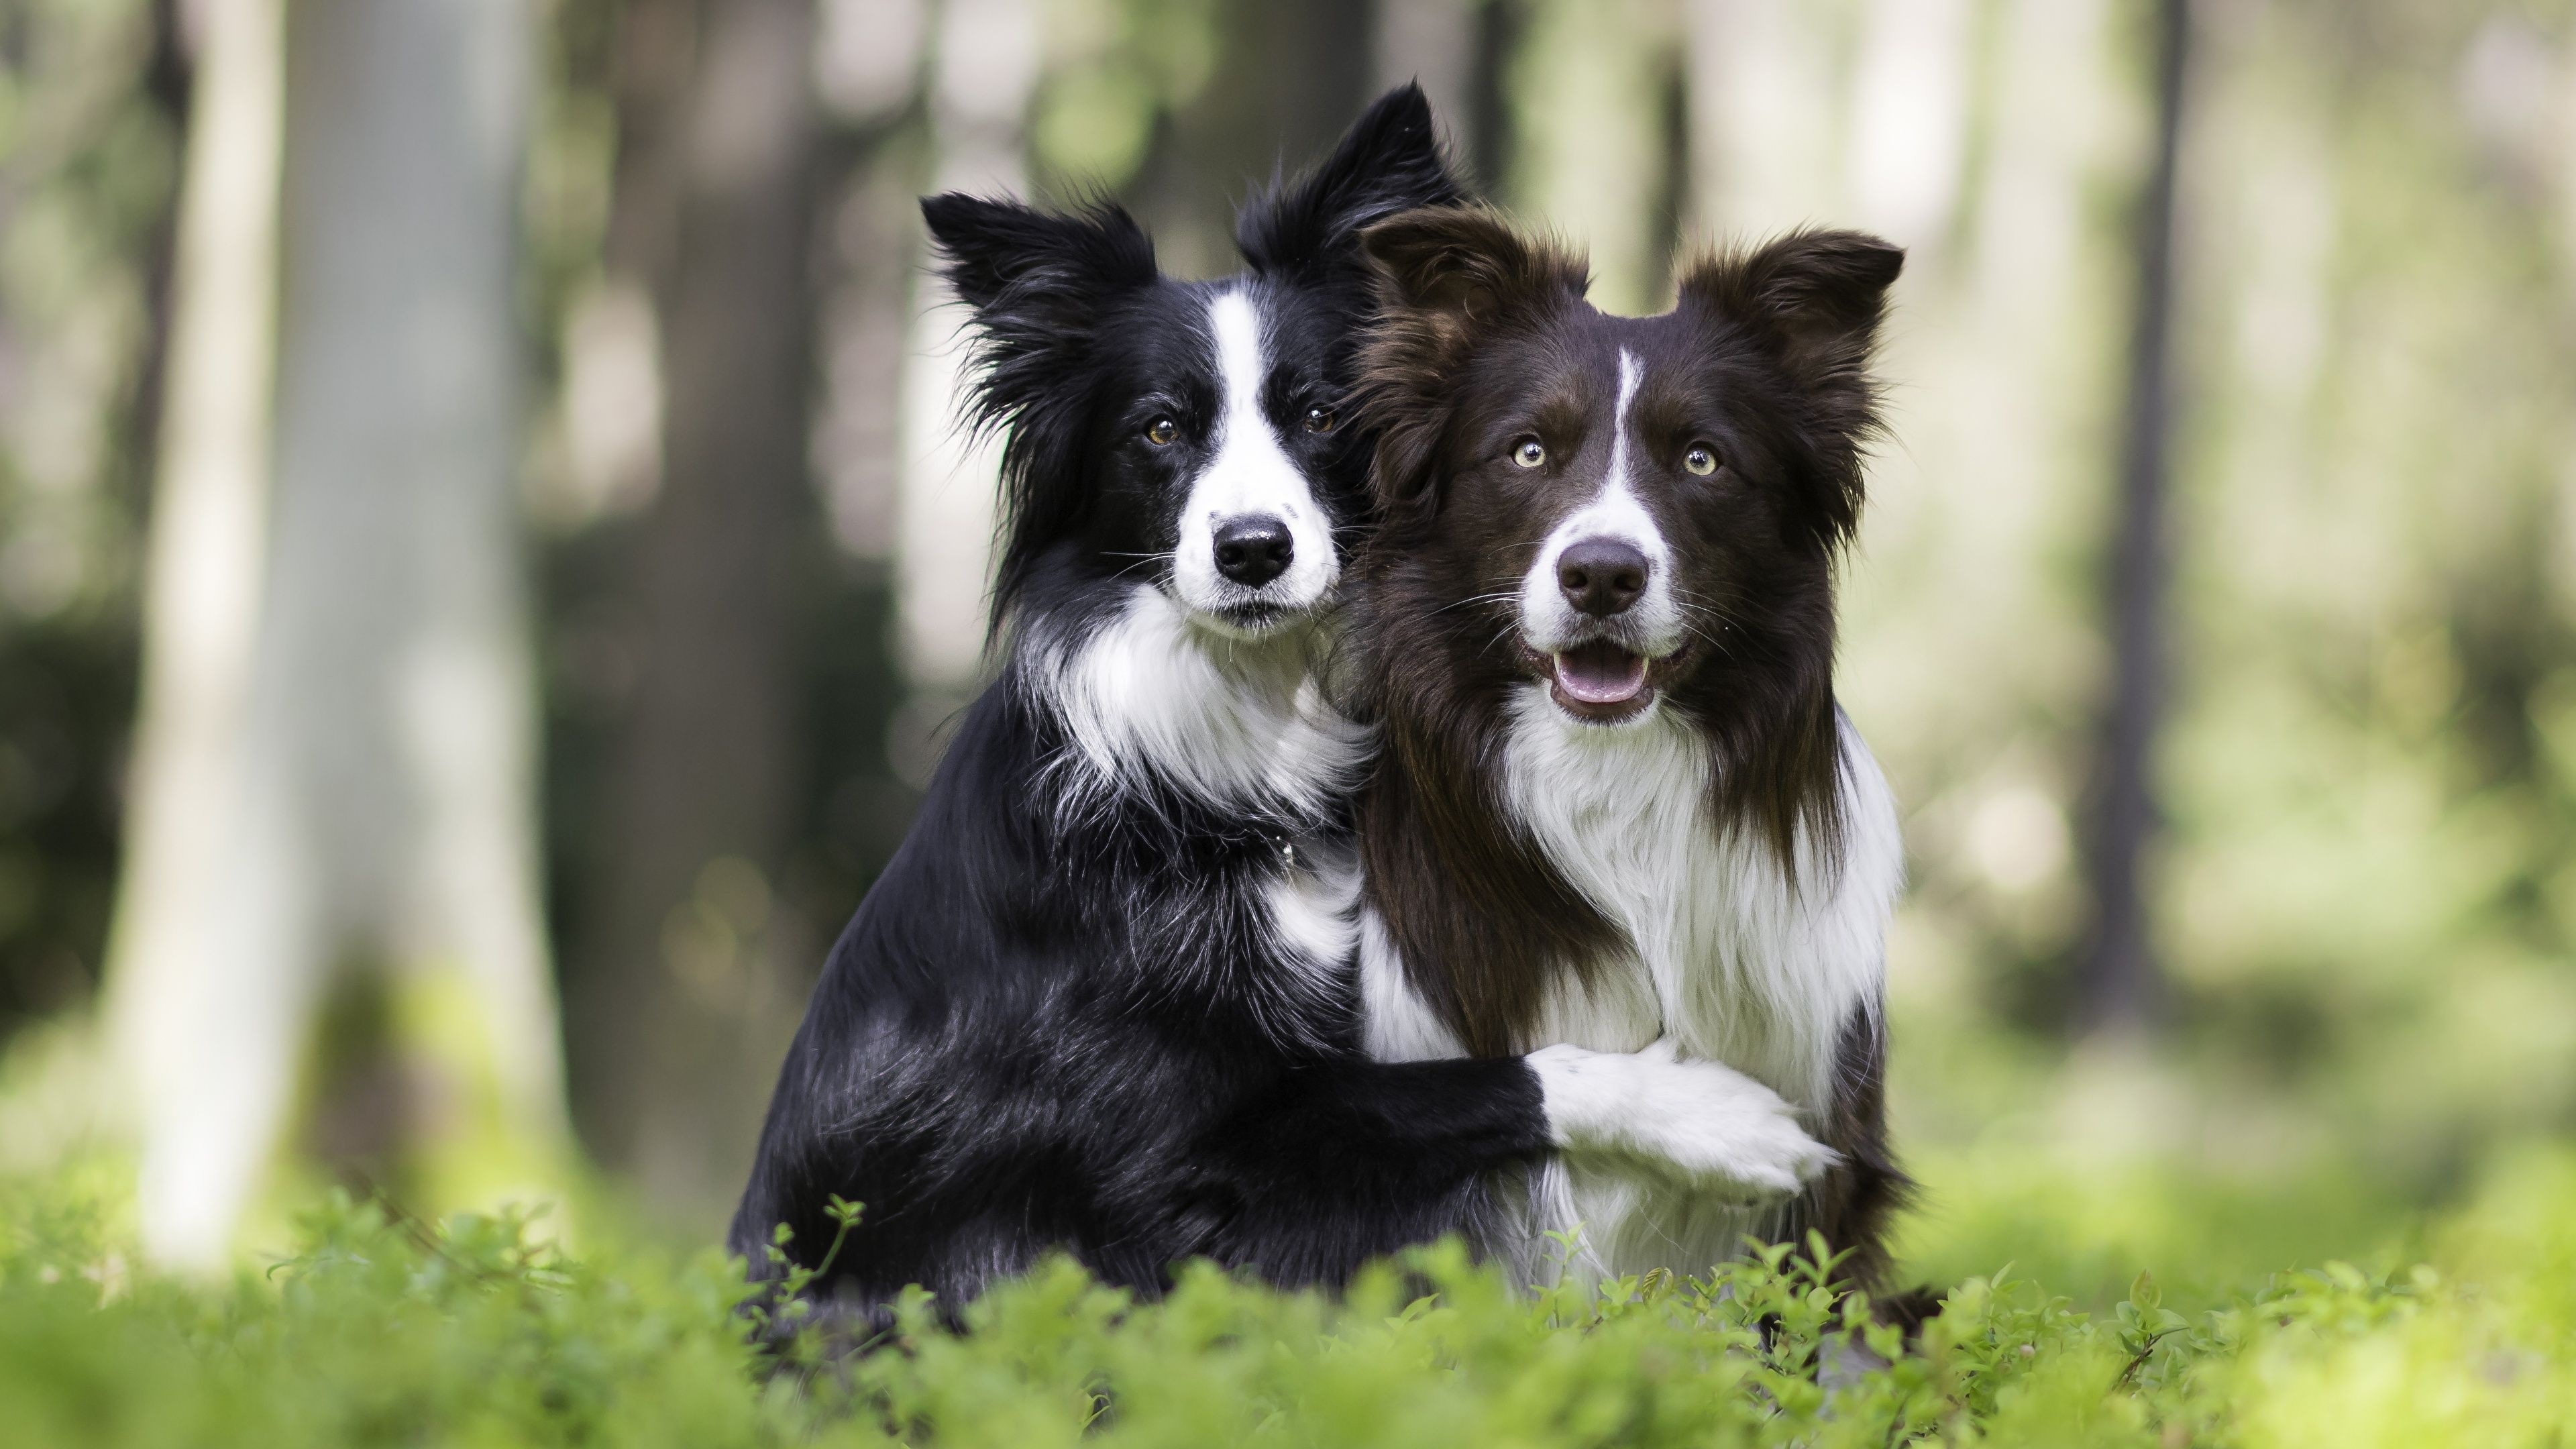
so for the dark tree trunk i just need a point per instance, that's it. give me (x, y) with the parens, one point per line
(1288, 79)
(2121, 987)
(687, 982)
(1432, 43)
(1313, 62)
(167, 78)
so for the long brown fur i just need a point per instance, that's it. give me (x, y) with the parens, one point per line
(1483, 921)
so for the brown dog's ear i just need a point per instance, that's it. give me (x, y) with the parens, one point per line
(1823, 292)
(1464, 260)
(1444, 276)
(1819, 296)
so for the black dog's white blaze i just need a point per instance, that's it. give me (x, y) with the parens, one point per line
(1251, 480)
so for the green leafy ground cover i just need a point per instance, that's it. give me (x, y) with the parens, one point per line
(482, 1332)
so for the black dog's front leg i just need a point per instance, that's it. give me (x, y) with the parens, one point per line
(1335, 1163)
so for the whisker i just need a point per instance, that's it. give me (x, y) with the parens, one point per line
(1723, 612)
(1716, 645)
(1493, 598)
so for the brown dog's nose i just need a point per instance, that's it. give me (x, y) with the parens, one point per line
(1601, 576)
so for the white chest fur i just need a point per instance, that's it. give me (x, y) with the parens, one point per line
(1150, 696)
(1725, 952)
(1722, 951)
(1151, 702)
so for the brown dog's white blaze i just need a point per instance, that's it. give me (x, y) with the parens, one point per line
(1598, 603)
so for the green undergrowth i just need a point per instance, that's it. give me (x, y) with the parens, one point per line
(379, 1330)
(2088, 1228)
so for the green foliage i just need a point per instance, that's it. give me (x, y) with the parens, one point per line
(1119, 65)
(482, 1331)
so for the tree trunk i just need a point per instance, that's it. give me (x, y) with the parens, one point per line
(337, 767)
(985, 68)
(2120, 988)
(1595, 154)
(1432, 43)
(1286, 80)
(1776, 142)
(1909, 122)
(203, 561)
(689, 980)
(875, 229)
(1762, 117)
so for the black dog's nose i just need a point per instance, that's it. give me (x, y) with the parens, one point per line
(1601, 576)
(1254, 549)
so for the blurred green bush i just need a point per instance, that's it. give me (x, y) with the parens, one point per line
(481, 1331)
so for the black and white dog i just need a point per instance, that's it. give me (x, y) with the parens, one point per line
(1618, 804)
(1103, 1000)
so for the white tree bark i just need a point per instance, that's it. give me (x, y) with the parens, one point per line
(202, 572)
(984, 70)
(375, 804)
(1763, 116)
(1909, 130)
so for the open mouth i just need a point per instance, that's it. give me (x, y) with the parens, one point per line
(1599, 680)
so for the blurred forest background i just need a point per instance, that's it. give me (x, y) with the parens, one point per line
(483, 563)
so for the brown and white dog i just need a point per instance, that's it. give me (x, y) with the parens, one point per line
(1617, 805)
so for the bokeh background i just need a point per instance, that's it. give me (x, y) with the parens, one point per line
(484, 563)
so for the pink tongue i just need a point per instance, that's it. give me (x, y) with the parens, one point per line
(1598, 673)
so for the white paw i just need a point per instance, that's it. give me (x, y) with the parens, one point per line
(1703, 1121)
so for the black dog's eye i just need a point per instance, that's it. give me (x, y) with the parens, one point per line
(1320, 420)
(1528, 453)
(1162, 432)
(1701, 459)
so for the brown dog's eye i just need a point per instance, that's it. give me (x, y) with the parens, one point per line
(1700, 460)
(1320, 420)
(1161, 432)
(1528, 453)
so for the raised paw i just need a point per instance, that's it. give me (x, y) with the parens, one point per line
(1701, 1120)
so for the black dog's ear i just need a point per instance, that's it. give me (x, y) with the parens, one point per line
(1038, 282)
(1819, 297)
(991, 251)
(1389, 161)
(1445, 278)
